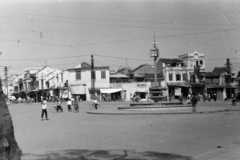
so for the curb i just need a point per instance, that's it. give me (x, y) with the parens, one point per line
(202, 112)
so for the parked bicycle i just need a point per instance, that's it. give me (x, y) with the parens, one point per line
(53, 109)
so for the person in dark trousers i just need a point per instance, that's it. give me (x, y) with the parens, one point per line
(44, 109)
(194, 103)
(59, 107)
(215, 97)
(69, 103)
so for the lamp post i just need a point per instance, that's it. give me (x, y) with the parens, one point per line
(154, 54)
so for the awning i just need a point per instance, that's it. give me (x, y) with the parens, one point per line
(179, 84)
(214, 86)
(78, 89)
(141, 90)
(110, 90)
(77, 83)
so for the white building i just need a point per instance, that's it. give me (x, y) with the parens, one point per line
(175, 76)
(79, 80)
(194, 62)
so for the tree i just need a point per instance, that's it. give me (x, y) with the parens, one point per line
(9, 149)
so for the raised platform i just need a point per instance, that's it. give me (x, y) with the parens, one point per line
(202, 108)
(155, 103)
(155, 106)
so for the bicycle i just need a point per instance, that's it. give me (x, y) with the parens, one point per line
(75, 108)
(94, 105)
(53, 109)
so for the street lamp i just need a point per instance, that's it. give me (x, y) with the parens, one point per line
(154, 53)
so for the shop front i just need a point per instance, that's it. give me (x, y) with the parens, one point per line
(215, 89)
(78, 90)
(111, 94)
(177, 89)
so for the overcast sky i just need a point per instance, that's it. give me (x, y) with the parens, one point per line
(64, 33)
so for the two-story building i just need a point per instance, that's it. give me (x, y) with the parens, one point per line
(195, 68)
(79, 80)
(40, 83)
(176, 77)
(29, 82)
(55, 85)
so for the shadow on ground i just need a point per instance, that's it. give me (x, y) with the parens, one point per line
(103, 155)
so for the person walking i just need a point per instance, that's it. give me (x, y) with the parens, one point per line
(44, 109)
(59, 107)
(194, 103)
(188, 99)
(215, 97)
(69, 103)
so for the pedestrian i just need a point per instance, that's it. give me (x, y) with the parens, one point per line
(180, 98)
(225, 97)
(59, 107)
(194, 103)
(69, 103)
(104, 98)
(44, 109)
(188, 99)
(215, 97)
(209, 97)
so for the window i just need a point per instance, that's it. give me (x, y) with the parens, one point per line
(78, 75)
(103, 74)
(170, 77)
(185, 77)
(178, 77)
(201, 63)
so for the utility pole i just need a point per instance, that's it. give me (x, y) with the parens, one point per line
(6, 78)
(92, 77)
(228, 75)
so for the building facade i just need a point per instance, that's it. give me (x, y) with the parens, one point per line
(195, 68)
(175, 77)
(79, 80)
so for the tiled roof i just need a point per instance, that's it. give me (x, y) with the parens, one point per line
(211, 74)
(137, 68)
(219, 70)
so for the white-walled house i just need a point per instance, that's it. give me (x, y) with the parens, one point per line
(79, 80)
(175, 74)
(41, 82)
(55, 84)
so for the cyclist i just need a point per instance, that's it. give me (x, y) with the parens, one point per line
(75, 105)
(95, 102)
(59, 107)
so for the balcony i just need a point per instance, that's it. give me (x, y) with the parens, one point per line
(172, 68)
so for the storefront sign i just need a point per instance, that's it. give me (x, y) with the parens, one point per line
(141, 85)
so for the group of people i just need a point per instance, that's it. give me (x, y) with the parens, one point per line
(59, 108)
(135, 97)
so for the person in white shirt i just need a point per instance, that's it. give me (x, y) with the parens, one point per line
(69, 103)
(44, 109)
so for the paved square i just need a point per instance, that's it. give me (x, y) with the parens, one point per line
(70, 135)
